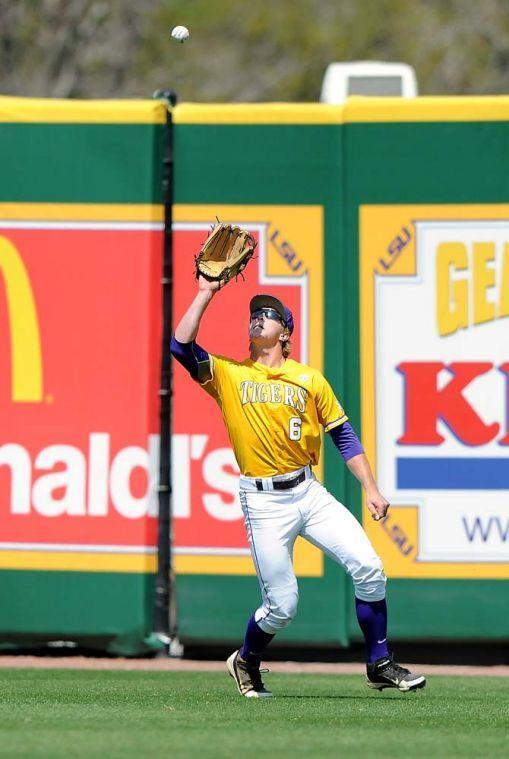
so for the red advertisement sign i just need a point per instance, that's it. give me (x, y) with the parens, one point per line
(80, 330)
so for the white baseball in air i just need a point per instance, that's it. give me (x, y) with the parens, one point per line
(180, 33)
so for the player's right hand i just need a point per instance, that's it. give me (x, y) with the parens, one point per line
(206, 284)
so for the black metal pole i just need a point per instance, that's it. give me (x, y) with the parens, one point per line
(165, 619)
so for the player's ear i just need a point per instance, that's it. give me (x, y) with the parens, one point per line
(284, 336)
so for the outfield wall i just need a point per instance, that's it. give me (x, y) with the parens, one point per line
(413, 197)
(384, 224)
(277, 169)
(428, 212)
(81, 257)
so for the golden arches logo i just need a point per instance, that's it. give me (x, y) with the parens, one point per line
(26, 354)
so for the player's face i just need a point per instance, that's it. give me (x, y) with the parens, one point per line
(265, 326)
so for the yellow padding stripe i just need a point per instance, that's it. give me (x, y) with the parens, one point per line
(48, 110)
(78, 561)
(307, 562)
(216, 565)
(81, 212)
(355, 109)
(258, 113)
(375, 109)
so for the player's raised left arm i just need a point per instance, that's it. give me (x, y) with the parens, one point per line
(183, 346)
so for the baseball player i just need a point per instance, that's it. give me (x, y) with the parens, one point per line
(273, 408)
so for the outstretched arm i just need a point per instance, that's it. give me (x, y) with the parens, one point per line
(183, 347)
(188, 326)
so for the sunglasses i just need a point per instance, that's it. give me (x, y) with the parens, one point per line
(267, 313)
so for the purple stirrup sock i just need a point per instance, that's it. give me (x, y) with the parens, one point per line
(255, 642)
(372, 618)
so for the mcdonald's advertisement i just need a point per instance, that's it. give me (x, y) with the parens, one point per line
(80, 319)
(209, 533)
(435, 386)
(80, 330)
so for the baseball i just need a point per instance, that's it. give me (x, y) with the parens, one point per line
(180, 33)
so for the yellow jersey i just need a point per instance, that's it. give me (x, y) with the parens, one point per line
(273, 415)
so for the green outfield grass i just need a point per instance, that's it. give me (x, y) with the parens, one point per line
(57, 713)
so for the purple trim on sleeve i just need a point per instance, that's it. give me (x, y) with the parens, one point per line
(346, 441)
(193, 358)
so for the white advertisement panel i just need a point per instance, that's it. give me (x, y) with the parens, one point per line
(435, 386)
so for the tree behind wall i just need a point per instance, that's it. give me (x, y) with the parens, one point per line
(242, 50)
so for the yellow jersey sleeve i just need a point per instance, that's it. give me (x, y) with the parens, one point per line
(330, 411)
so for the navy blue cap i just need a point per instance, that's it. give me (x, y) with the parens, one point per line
(269, 301)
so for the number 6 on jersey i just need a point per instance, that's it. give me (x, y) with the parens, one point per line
(295, 425)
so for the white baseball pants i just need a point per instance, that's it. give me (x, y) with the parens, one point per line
(275, 518)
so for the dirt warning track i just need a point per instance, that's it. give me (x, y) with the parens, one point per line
(192, 665)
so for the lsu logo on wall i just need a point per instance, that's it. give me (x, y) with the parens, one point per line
(209, 531)
(79, 379)
(435, 385)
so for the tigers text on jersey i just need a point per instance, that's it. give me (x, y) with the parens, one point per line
(273, 415)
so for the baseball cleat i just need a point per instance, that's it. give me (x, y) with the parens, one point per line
(247, 677)
(385, 673)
